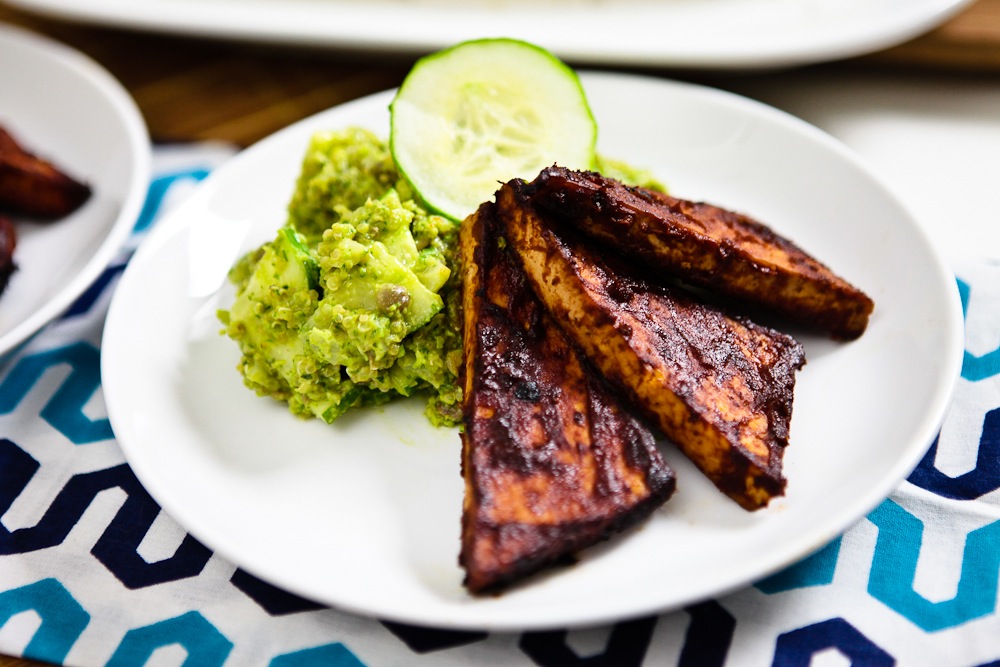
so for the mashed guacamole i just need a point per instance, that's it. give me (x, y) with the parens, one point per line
(354, 302)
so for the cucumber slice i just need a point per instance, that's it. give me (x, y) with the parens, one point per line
(483, 112)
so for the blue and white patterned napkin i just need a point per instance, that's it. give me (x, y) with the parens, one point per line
(92, 573)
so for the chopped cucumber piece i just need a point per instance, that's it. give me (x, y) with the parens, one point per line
(380, 284)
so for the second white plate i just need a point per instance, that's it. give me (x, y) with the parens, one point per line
(364, 514)
(102, 141)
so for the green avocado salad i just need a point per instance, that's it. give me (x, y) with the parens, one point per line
(353, 303)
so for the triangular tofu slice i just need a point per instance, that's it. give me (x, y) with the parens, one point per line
(707, 246)
(721, 388)
(552, 462)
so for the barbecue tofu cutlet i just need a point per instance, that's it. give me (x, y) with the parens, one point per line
(706, 246)
(35, 187)
(552, 462)
(720, 388)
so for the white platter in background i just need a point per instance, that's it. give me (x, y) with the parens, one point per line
(364, 514)
(672, 33)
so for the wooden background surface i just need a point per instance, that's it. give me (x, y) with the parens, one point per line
(192, 89)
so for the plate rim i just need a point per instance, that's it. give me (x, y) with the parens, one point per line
(903, 463)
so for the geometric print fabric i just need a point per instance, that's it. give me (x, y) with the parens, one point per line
(92, 573)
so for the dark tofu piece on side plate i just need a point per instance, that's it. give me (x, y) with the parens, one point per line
(35, 187)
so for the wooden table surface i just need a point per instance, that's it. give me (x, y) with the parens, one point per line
(190, 89)
(199, 89)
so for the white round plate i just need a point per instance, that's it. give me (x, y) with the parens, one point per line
(364, 514)
(62, 106)
(685, 33)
